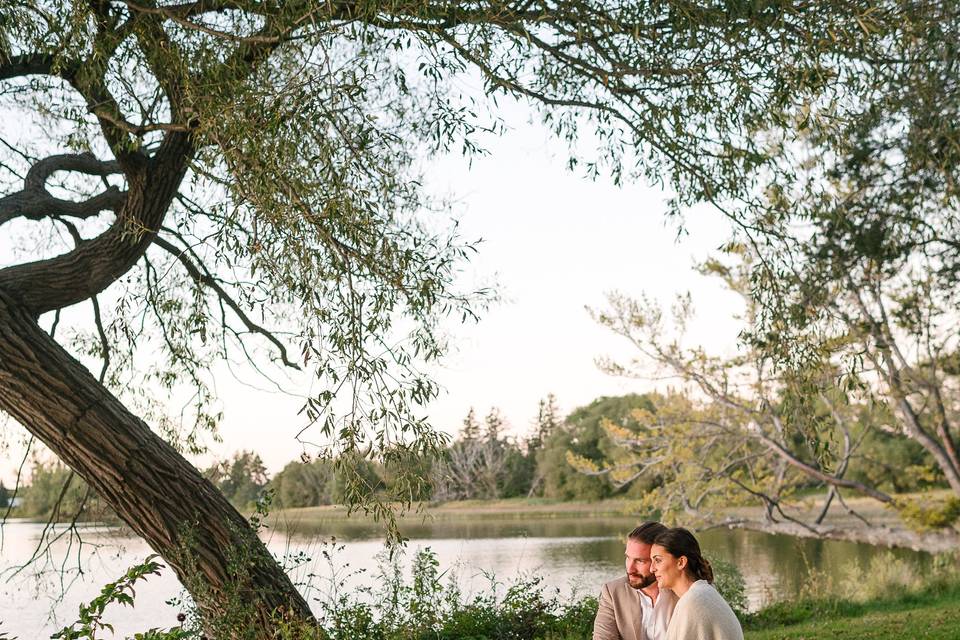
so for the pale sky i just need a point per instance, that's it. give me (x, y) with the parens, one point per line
(554, 242)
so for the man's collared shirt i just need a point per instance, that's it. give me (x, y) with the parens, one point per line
(656, 616)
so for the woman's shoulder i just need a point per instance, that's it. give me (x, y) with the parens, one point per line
(707, 614)
(703, 593)
(701, 589)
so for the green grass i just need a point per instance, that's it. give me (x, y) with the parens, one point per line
(930, 615)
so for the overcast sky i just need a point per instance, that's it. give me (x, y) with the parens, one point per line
(554, 243)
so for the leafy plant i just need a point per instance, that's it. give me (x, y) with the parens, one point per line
(729, 581)
(91, 621)
(931, 514)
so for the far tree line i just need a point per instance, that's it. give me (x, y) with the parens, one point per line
(483, 462)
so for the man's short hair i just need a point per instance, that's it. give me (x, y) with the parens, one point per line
(646, 532)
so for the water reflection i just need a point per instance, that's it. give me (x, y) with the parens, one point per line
(777, 567)
(574, 555)
(584, 551)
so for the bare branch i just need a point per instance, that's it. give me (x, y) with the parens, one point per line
(44, 541)
(813, 472)
(887, 366)
(881, 536)
(38, 205)
(177, 15)
(831, 494)
(136, 129)
(16, 488)
(104, 343)
(850, 510)
(80, 162)
(203, 277)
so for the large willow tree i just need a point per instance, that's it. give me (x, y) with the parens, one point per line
(221, 177)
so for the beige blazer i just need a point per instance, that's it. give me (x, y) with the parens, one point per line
(619, 614)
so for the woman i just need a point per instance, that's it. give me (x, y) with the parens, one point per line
(701, 612)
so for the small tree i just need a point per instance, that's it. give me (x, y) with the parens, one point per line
(471, 427)
(547, 422)
(743, 432)
(241, 479)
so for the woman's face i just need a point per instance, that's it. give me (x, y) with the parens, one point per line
(666, 567)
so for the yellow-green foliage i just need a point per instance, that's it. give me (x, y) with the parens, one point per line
(933, 514)
(684, 447)
(581, 464)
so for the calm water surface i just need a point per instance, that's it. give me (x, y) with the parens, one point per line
(573, 554)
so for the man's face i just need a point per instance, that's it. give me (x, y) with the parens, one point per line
(639, 573)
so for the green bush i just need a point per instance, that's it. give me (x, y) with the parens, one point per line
(422, 608)
(930, 514)
(729, 581)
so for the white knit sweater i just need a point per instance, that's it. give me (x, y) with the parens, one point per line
(703, 614)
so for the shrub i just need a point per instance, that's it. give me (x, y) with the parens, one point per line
(419, 609)
(729, 581)
(929, 515)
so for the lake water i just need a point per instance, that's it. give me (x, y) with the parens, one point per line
(573, 554)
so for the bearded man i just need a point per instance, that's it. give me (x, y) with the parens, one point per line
(634, 607)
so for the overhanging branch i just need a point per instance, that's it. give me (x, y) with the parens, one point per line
(203, 277)
(25, 65)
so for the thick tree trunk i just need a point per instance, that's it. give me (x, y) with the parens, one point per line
(161, 496)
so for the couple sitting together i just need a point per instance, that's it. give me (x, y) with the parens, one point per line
(667, 594)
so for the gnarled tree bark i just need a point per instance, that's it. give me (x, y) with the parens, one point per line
(160, 495)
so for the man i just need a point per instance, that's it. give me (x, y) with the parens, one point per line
(634, 607)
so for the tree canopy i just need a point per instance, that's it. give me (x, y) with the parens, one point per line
(845, 250)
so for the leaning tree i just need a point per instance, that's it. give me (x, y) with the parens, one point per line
(189, 181)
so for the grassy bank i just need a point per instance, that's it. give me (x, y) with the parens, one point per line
(508, 508)
(535, 508)
(802, 506)
(933, 614)
(466, 519)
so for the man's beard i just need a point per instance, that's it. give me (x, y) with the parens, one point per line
(638, 581)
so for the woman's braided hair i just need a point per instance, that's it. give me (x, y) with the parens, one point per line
(680, 542)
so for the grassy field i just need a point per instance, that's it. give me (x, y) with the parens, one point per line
(927, 623)
(930, 615)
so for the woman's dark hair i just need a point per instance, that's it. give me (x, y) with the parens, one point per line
(680, 542)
